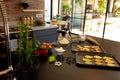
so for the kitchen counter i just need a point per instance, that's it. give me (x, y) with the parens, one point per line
(46, 33)
(46, 26)
(72, 72)
(16, 29)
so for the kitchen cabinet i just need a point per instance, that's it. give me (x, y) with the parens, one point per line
(46, 35)
(3, 55)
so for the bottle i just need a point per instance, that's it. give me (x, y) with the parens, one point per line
(31, 20)
(28, 20)
(24, 20)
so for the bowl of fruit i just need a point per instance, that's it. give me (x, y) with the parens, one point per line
(46, 45)
(45, 48)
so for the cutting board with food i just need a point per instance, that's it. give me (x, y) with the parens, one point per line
(89, 45)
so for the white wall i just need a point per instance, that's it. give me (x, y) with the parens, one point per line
(55, 7)
(47, 7)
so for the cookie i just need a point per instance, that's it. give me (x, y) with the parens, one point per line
(110, 64)
(109, 61)
(97, 57)
(86, 59)
(107, 58)
(98, 60)
(87, 62)
(88, 56)
(98, 63)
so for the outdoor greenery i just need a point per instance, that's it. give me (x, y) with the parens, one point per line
(102, 6)
(116, 8)
(80, 2)
(39, 22)
(66, 7)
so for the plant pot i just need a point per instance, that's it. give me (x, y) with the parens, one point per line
(28, 75)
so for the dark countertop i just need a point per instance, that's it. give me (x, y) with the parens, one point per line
(72, 72)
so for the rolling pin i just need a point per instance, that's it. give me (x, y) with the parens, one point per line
(90, 39)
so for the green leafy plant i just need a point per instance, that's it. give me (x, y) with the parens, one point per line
(116, 8)
(65, 7)
(102, 6)
(27, 60)
(39, 22)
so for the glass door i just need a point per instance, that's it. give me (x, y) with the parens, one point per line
(113, 21)
(78, 9)
(95, 17)
(105, 19)
(74, 8)
(99, 18)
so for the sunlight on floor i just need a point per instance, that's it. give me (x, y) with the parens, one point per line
(76, 31)
(112, 29)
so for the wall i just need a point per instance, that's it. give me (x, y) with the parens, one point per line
(48, 8)
(14, 10)
(55, 7)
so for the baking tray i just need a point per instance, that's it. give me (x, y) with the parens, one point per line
(86, 43)
(80, 61)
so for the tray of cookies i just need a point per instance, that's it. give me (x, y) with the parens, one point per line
(102, 61)
(87, 48)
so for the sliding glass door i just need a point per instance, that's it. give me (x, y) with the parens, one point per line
(95, 17)
(78, 9)
(52, 7)
(74, 8)
(112, 28)
(100, 18)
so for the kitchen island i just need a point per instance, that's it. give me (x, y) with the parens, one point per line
(45, 33)
(70, 71)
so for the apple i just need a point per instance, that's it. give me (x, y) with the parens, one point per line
(43, 52)
(52, 59)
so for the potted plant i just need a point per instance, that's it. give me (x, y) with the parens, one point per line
(27, 66)
(39, 22)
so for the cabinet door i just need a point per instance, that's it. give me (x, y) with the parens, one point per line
(46, 35)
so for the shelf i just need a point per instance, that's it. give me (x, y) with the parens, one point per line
(34, 10)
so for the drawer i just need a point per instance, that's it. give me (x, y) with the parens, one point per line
(45, 32)
(50, 38)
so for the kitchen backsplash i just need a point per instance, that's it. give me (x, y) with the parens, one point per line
(15, 10)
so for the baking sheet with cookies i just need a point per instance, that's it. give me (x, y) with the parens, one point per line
(87, 48)
(102, 61)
